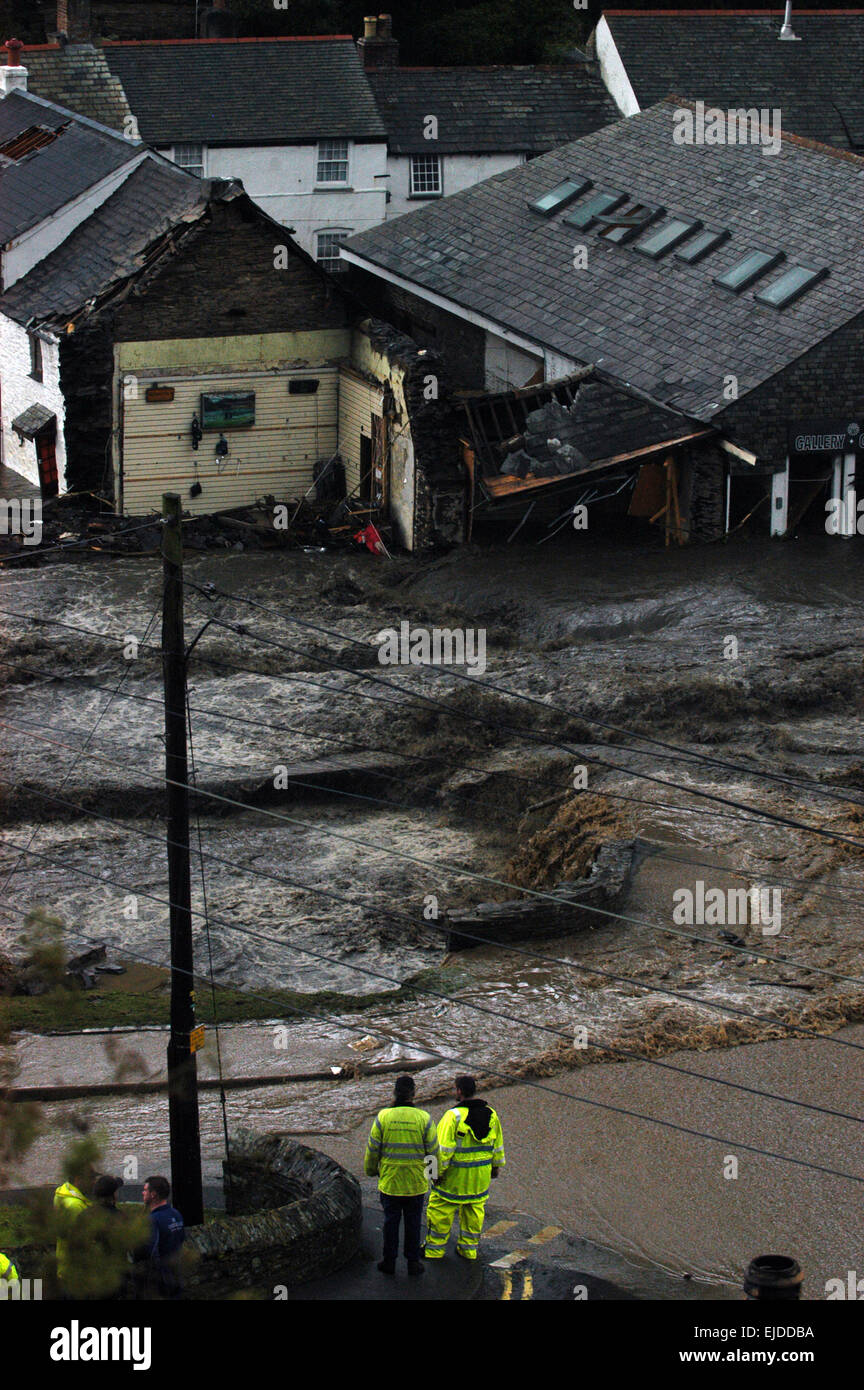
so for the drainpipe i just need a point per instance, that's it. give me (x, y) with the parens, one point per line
(780, 500)
(786, 31)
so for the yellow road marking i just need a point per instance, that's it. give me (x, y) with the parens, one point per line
(507, 1291)
(548, 1233)
(508, 1261)
(499, 1228)
(527, 1284)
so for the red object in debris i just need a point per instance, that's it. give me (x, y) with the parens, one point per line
(370, 537)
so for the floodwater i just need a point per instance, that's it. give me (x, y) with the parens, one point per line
(747, 655)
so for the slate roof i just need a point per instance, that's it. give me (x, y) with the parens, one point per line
(78, 77)
(734, 60)
(84, 154)
(246, 91)
(108, 246)
(32, 420)
(482, 110)
(662, 326)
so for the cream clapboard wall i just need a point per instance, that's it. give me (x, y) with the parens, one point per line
(275, 456)
(359, 400)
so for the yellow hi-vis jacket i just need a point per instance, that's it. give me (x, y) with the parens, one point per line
(401, 1139)
(71, 1202)
(465, 1162)
(7, 1269)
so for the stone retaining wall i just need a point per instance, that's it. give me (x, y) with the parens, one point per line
(296, 1216)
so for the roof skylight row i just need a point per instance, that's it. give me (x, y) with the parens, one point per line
(604, 209)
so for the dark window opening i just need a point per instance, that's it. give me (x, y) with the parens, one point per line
(35, 357)
(302, 386)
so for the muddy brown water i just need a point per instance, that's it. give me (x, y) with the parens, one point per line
(623, 635)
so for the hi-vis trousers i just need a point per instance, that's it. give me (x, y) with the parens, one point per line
(439, 1218)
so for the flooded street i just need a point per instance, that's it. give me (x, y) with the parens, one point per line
(341, 818)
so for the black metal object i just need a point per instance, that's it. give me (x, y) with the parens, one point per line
(182, 1070)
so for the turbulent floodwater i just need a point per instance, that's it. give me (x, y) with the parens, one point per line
(748, 655)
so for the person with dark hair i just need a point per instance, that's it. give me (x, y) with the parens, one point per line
(103, 1235)
(401, 1151)
(471, 1151)
(160, 1254)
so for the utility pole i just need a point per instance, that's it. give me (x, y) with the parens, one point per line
(182, 1069)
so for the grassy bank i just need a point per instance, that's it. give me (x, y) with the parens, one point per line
(142, 997)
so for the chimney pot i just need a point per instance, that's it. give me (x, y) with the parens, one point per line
(378, 48)
(13, 77)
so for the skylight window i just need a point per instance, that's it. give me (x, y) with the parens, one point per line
(666, 238)
(622, 227)
(794, 282)
(702, 245)
(748, 270)
(594, 208)
(560, 197)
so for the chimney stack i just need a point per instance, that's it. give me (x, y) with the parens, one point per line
(73, 21)
(378, 48)
(217, 22)
(13, 77)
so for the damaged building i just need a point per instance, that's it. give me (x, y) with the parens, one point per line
(187, 344)
(719, 284)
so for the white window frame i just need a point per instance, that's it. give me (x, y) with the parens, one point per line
(194, 165)
(327, 261)
(329, 156)
(414, 171)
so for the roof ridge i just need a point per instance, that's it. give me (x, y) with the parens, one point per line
(723, 14)
(785, 135)
(269, 38)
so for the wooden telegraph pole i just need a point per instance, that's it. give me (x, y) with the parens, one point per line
(182, 1070)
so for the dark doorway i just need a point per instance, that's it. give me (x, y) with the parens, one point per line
(46, 455)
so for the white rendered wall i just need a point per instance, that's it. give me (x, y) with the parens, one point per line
(18, 391)
(613, 71)
(458, 171)
(281, 180)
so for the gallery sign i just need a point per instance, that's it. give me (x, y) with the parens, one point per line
(836, 436)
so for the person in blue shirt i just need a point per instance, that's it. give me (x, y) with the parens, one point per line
(161, 1252)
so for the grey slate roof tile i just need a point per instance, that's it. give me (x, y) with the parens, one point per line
(629, 313)
(482, 110)
(83, 154)
(78, 77)
(246, 91)
(106, 247)
(737, 60)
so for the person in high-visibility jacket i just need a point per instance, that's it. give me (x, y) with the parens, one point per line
(7, 1270)
(402, 1153)
(471, 1151)
(69, 1202)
